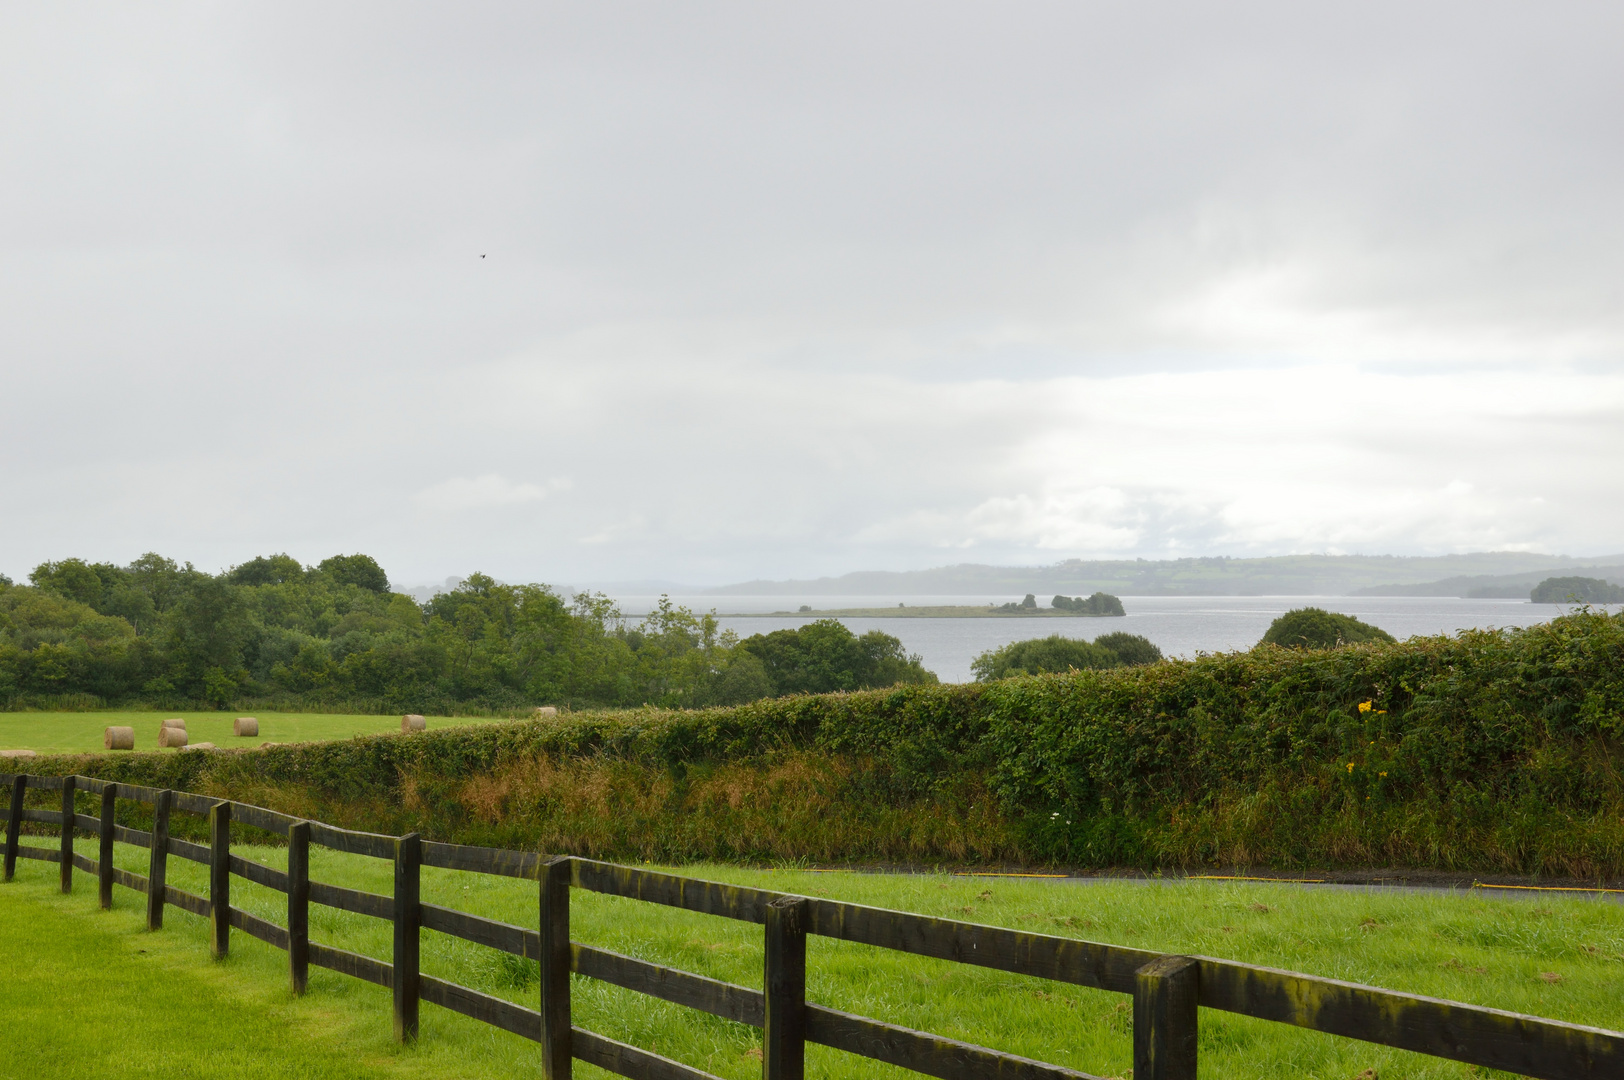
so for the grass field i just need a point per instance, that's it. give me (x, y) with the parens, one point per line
(81, 732)
(130, 1003)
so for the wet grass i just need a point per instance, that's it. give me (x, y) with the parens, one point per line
(1557, 958)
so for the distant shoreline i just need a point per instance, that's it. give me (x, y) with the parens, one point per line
(966, 611)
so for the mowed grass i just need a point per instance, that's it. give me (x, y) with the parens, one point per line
(81, 732)
(1557, 958)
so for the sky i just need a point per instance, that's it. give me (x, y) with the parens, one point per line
(719, 291)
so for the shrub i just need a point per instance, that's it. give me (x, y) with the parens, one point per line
(1039, 655)
(1131, 649)
(1316, 628)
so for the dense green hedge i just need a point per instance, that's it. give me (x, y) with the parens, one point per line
(1476, 728)
(1490, 750)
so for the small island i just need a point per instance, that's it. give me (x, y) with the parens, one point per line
(1100, 605)
(1577, 590)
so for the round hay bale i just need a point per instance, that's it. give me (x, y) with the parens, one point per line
(176, 722)
(171, 736)
(412, 722)
(119, 738)
(198, 746)
(546, 710)
(18, 754)
(245, 726)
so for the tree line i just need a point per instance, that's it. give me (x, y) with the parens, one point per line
(164, 634)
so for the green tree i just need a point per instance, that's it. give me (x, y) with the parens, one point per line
(824, 656)
(77, 580)
(744, 679)
(1099, 604)
(310, 669)
(1038, 655)
(160, 579)
(359, 570)
(165, 634)
(1131, 649)
(269, 570)
(49, 667)
(207, 629)
(1316, 628)
(680, 655)
(132, 605)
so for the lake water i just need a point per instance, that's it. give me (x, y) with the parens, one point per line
(1179, 625)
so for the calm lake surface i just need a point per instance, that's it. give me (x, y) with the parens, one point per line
(1179, 625)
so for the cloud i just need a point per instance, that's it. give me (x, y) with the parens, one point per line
(787, 291)
(479, 492)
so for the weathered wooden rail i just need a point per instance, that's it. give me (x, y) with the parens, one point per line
(1168, 991)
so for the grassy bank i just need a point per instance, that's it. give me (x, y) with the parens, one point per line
(81, 732)
(1558, 959)
(1495, 752)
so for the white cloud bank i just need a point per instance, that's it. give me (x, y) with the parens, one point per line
(785, 292)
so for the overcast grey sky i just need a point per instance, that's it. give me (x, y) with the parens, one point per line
(773, 290)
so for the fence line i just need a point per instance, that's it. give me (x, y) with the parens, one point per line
(1168, 991)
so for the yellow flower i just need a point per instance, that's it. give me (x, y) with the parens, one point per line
(1381, 774)
(1364, 706)
(1350, 766)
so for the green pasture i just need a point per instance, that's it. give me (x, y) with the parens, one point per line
(131, 1003)
(81, 732)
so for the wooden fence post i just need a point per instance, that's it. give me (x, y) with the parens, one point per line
(557, 1051)
(220, 880)
(68, 805)
(14, 822)
(1164, 1019)
(158, 861)
(783, 1049)
(104, 859)
(299, 906)
(408, 919)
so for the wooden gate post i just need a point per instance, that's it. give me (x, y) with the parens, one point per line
(220, 880)
(1164, 1019)
(14, 822)
(66, 866)
(556, 1049)
(104, 856)
(783, 1049)
(158, 861)
(407, 983)
(299, 906)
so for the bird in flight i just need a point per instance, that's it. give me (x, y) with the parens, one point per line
(482, 256)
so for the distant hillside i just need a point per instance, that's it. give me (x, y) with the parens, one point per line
(1506, 587)
(1283, 575)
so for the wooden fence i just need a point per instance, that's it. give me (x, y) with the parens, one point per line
(1168, 991)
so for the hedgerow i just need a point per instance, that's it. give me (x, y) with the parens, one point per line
(1491, 750)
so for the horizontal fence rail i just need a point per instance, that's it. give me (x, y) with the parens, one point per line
(1168, 991)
